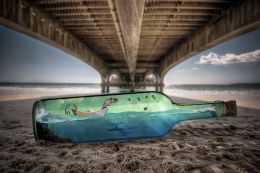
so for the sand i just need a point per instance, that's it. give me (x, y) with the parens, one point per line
(220, 145)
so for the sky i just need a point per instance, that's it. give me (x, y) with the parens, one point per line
(24, 59)
(235, 61)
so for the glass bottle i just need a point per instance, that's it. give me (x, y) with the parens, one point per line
(116, 117)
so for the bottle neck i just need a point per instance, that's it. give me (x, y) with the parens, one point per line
(200, 110)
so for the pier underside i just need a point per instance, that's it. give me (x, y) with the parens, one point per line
(138, 41)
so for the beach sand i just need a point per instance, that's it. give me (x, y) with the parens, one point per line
(220, 145)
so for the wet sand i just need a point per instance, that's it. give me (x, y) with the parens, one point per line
(220, 145)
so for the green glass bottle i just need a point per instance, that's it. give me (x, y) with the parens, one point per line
(117, 116)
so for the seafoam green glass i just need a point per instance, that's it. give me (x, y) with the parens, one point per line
(117, 116)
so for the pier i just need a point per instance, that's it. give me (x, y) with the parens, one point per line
(131, 43)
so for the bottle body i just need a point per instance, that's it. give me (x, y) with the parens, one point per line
(133, 116)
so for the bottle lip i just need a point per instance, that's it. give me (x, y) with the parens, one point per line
(231, 108)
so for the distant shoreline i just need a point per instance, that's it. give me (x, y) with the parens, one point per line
(214, 84)
(218, 86)
(46, 84)
(168, 86)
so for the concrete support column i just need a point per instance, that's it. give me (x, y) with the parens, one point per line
(156, 87)
(106, 83)
(103, 84)
(32, 14)
(132, 77)
(161, 88)
(161, 84)
(19, 12)
(107, 87)
(157, 83)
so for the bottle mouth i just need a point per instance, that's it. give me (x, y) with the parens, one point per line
(231, 108)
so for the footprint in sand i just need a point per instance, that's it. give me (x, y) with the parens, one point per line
(62, 153)
(76, 167)
(120, 157)
(115, 147)
(76, 152)
(132, 165)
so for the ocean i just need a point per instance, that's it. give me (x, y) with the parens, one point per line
(246, 90)
(14, 91)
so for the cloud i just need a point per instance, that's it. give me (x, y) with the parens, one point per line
(180, 70)
(186, 70)
(213, 58)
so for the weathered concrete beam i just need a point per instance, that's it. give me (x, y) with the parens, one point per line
(184, 13)
(114, 14)
(190, 7)
(58, 14)
(177, 18)
(129, 15)
(139, 65)
(203, 1)
(75, 6)
(75, 18)
(19, 15)
(52, 2)
(241, 18)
